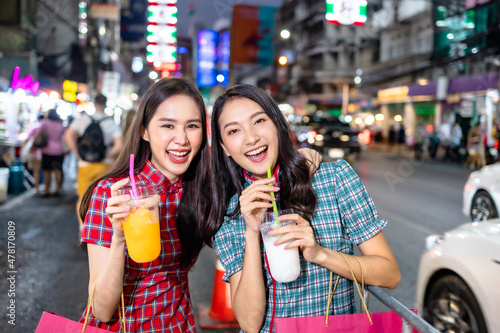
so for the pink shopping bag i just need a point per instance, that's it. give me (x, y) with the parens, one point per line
(54, 323)
(383, 322)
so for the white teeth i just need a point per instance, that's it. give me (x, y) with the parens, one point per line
(178, 153)
(256, 151)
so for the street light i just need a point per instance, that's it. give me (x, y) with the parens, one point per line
(153, 75)
(285, 34)
(282, 60)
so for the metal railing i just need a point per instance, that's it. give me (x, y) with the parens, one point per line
(406, 314)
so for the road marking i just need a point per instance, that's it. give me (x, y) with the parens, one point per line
(16, 200)
(413, 225)
(31, 233)
(438, 186)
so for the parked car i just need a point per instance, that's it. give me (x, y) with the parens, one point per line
(328, 135)
(481, 195)
(458, 279)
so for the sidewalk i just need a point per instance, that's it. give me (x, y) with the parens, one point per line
(69, 180)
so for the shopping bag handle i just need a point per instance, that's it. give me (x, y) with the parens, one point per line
(121, 310)
(361, 296)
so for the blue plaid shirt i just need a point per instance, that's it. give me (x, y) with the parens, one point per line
(344, 215)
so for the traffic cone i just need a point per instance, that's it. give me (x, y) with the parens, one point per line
(220, 314)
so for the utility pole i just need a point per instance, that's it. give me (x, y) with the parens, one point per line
(395, 4)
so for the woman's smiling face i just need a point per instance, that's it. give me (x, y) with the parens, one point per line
(175, 134)
(249, 136)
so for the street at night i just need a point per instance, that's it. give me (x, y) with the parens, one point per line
(417, 198)
(183, 130)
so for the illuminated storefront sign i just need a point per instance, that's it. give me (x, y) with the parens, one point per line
(346, 12)
(395, 93)
(27, 83)
(207, 58)
(161, 32)
(69, 90)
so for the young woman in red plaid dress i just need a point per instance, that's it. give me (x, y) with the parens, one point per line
(169, 139)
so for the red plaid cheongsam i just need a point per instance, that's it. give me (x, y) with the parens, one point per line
(156, 293)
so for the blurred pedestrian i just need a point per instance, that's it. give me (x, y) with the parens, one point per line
(456, 142)
(34, 155)
(128, 121)
(419, 141)
(401, 138)
(392, 137)
(475, 147)
(332, 211)
(90, 170)
(434, 142)
(52, 153)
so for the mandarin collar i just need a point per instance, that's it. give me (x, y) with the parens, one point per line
(250, 179)
(163, 184)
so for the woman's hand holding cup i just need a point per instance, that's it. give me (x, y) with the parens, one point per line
(256, 200)
(115, 210)
(301, 235)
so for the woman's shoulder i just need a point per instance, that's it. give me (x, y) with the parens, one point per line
(328, 168)
(108, 182)
(231, 224)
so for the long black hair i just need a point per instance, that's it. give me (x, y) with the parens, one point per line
(227, 177)
(192, 207)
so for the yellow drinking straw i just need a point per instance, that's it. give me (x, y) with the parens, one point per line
(275, 209)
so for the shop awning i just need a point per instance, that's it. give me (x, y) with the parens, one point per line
(474, 83)
(422, 90)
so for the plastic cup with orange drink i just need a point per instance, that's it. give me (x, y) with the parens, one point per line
(141, 227)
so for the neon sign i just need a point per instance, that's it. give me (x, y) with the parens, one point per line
(27, 83)
(161, 32)
(346, 12)
(69, 90)
(207, 58)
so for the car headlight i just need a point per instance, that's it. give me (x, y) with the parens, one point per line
(432, 240)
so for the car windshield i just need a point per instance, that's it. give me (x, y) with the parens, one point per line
(322, 122)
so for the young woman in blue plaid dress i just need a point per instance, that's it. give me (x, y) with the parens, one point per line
(332, 209)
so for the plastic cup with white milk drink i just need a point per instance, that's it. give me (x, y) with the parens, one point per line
(283, 263)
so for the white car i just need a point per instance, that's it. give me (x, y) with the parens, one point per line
(482, 193)
(458, 285)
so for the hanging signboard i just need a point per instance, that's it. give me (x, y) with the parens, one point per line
(161, 32)
(207, 58)
(346, 12)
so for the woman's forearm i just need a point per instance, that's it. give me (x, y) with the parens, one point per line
(249, 302)
(379, 264)
(109, 282)
(378, 271)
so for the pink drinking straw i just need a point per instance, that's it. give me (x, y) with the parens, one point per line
(132, 178)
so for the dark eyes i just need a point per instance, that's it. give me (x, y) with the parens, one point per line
(258, 121)
(170, 126)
